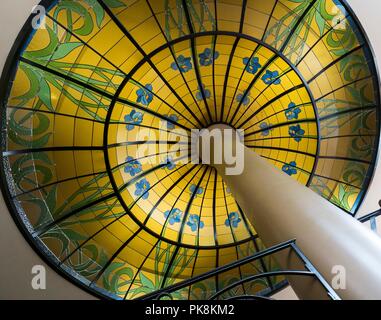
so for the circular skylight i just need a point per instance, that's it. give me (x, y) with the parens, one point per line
(100, 79)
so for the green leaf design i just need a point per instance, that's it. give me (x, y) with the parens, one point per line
(17, 130)
(320, 22)
(114, 3)
(65, 49)
(146, 282)
(34, 82)
(70, 6)
(73, 235)
(45, 94)
(98, 10)
(51, 199)
(47, 51)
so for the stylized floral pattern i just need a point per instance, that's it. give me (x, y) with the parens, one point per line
(133, 119)
(184, 63)
(290, 168)
(169, 163)
(133, 167)
(145, 95)
(207, 57)
(142, 188)
(198, 191)
(265, 129)
(194, 222)
(271, 77)
(296, 132)
(243, 98)
(233, 220)
(292, 112)
(252, 65)
(173, 216)
(207, 93)
(173, 118)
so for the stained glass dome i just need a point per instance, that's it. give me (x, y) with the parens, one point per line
(81, 92)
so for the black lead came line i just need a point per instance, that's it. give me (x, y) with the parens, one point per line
(67, 77)
(55, 114)
(100, 92)
(166, 222)
(271, 60)
(228, 68)
(180, 233)
(119, 218)
(214, 60)
(195, 60)
(311, 154)
(279, 125)
(251, 85)
(251, 56)
(108, 61)
(334, 62)
(296, 26)
(171, 49)
(43, 229)
(93, 174)
(167, 192)
(147, 59)
(268, 103)
(261, 93)
(52, 149)
(232, 55)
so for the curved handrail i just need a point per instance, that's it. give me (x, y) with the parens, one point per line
(310, 271)
(262, 275)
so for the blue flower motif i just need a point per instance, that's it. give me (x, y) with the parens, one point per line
(197, 192)
(133, 167)
(233, 220)
(133, 119)
(292, 111)
(184, 63)
(145, 95)
(173, 216)
(194, 222)
(207, 93)
(271, 77)
(207, 57)
(244, 98)
(171, 125)
(252, 65)
(290, 168)
(265, 129)
(296, 132)
(142, 188)
(169, 163)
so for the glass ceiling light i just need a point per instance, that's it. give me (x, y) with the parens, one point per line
(298, 76)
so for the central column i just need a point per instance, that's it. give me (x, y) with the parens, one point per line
(281, 209)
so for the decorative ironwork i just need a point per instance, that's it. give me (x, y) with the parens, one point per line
(228, 293)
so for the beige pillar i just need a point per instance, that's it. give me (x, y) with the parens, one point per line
(281, 209)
